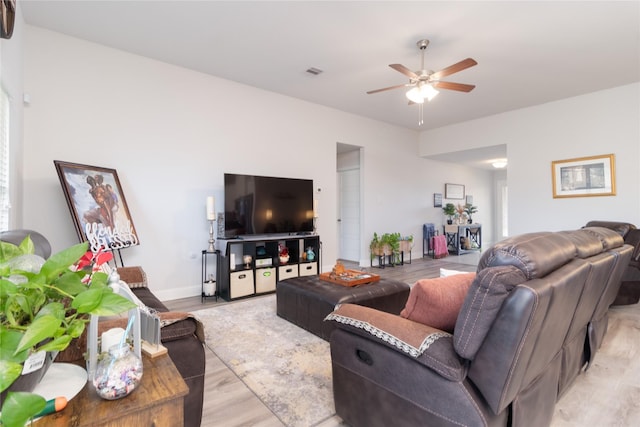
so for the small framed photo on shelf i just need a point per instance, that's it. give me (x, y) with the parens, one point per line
(468, 199)
(437, 200)
(454, 191)
(584, 177)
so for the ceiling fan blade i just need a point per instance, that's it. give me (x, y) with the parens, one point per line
(454, 86)
(387, 88)
(459, 66)
(404, 70)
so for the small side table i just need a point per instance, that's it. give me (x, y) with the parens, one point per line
(205, 282)
(458, 232)
(158, 401)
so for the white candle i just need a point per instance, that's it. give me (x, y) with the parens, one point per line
(110, 338)
(315, 208)
(210, 287)
(211, 208)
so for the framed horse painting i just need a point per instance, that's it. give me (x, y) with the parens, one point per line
(97, 204)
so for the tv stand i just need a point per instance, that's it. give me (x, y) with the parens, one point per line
(251, 265)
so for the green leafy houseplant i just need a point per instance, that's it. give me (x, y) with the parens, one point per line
(375, 246)
(469, 209)
(406, 243)
(449, 210)
(44, 310)
(392, 240)
(386, 244)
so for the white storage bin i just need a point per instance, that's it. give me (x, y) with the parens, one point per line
(309, 269)
(265, 279)
(287, 271)
(241, 284)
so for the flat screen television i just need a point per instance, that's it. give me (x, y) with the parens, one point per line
(257, 205)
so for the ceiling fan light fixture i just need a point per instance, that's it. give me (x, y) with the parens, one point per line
(415, 95)
(428, 91)
(422, 81)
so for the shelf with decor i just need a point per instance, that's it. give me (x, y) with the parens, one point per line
(253, 265)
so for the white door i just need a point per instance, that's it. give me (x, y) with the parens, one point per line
(349, 214)
(502, 209)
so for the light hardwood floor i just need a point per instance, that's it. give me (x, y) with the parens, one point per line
(604, 396)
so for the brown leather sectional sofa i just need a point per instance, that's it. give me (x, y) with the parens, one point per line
(531, 322)
(629, 292)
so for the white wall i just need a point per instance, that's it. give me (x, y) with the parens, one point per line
(398, 190)
(171, 133)
(598, 123)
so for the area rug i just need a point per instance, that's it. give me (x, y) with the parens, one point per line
(288, 368)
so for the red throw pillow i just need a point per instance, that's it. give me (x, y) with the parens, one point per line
(437, 302)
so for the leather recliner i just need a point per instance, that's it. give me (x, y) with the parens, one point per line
(531, 323)
(629, 292)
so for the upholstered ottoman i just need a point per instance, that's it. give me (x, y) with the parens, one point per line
(306, 301)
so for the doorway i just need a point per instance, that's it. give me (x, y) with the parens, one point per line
(349, 195)
(502, 209)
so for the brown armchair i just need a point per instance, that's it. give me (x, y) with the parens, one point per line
(629, 292)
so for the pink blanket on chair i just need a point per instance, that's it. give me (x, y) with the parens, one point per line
(439, 245)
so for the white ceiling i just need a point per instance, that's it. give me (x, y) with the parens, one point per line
(528, 53)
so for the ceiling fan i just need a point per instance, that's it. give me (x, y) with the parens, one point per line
(424, 83)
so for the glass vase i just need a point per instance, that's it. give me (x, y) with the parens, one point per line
(118, 373)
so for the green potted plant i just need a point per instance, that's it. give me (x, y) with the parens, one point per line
(406, 243)
(391, 245)
(449, 210)
(42, 309)
(375, 246)
(469, 209)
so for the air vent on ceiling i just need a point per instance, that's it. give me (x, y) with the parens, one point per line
(314, 71)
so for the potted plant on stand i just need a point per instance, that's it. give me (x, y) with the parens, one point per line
(375, 247)
(469, 209)
(44, 305)
(406, 244)
(449, 210)
(391, 246)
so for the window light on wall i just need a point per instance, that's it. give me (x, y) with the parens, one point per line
(4, 159)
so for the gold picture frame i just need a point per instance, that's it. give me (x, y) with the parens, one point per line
(584, 177)
(454, 191)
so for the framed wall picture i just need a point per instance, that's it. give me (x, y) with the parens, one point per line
(97, 204)
(584, 176)
(7, 18)
(454, 191)
(437, 200)
(468, 199)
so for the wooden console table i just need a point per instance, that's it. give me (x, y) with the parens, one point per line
(457, 233)
(158, 401)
